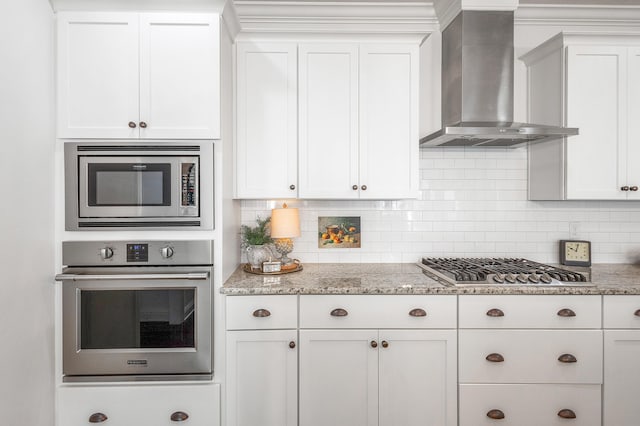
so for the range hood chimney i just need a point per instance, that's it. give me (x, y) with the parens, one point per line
(477, 86)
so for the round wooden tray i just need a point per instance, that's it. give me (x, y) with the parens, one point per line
(247, 268)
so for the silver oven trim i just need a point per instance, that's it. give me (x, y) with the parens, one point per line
(112, 363)
(154, 217)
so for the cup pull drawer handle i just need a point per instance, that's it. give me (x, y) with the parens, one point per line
(495, 313)
(567, 414)
(567, 358)
(97, 418)
(418, 312)
(495, 358)
(566, 312)
(261, 313)
(495, 414)
(339, 312)
(637, 313)
(179, 416)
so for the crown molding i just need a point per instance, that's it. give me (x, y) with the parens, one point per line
(411, 18)
(577, 15)
(230, 20)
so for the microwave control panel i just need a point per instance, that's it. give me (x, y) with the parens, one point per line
(189, 183)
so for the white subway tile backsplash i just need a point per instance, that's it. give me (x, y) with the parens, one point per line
(472, 202)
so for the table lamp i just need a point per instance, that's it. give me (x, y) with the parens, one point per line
(285, 224)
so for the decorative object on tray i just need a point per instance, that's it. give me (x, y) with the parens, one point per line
(294, 266)
(339, 232)
(256, 241)
(285, 225)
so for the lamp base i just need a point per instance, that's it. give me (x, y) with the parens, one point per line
(284, 246)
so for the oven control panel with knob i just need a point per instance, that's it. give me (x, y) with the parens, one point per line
(136, 253)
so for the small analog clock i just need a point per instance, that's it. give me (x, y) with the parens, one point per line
(575, 253)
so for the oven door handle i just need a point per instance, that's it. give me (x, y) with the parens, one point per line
(83, 277)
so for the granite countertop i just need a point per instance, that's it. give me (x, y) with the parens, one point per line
(407, 278)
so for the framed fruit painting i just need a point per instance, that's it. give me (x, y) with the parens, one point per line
(338, 232)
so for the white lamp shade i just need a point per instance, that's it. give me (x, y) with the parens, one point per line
(285, 223)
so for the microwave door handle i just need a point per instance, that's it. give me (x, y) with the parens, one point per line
(83, 277)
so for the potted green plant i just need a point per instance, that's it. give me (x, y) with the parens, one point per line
(255, 242)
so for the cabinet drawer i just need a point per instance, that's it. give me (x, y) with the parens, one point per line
(621, 312)
(530, 356)
(373, 311)
(140, 405)
(261, 312)
(553, 311)
(530, 405)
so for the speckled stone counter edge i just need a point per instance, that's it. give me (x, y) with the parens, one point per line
(407, 278)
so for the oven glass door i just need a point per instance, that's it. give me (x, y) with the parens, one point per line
(137, 324)
(128, 186)
(161, 318)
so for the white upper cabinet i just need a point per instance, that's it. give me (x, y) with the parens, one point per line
(266, 132)
(355, 110)
(130, 75)
(596, 104)
(388, 121)
(328, 140)
(593, 83)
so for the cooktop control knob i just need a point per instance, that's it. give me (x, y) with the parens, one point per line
(545, 278)
(166, 252)
(511, 279)
(534, 278)
(522, 278)
(498, 278)
(106, 253)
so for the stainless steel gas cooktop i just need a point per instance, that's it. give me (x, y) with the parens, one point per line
(499, 271)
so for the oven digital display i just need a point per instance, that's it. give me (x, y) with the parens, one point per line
(137, 252)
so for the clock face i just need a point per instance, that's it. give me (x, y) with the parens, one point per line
(577, 250)
(575, 253)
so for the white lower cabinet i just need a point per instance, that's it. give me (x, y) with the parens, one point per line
(622, 361)
(530, 405)
(338, 377)
(139, 405)
(262, 360)
(378, 360)
(262, 378)
(378, 377)
(530, 360)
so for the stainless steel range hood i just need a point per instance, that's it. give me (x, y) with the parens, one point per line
(477, 86)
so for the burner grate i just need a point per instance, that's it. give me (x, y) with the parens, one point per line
(498, 271)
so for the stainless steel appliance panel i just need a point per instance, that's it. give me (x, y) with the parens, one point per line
(149, 185)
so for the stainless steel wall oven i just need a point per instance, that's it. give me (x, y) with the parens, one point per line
(134, 310)
(144, 185)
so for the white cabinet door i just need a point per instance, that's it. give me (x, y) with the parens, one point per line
(139, 405)
(417, 382)
(97, 75)
(267, 112)
(388, 121)
(597, 105)
(328, 114)
(262, 381)
(633, 138)
(338, 378)
(621, 377)
(179, 76)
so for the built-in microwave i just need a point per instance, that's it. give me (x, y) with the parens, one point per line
(142, 185)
